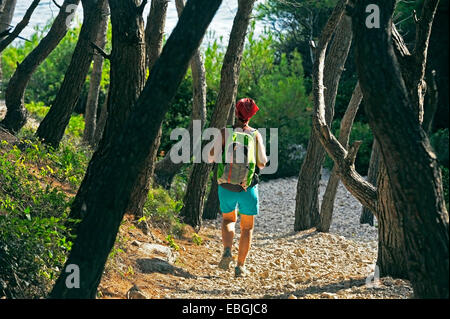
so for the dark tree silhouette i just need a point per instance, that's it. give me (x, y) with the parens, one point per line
(16, 115)
(196, 188)
(51, 130)
(116, 166)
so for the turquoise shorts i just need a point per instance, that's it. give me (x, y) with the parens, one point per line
(247, 202)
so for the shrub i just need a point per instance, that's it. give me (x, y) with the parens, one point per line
(34, 240)
(162, 211)
(284, 105)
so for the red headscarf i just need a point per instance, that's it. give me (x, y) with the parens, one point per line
(246, 108)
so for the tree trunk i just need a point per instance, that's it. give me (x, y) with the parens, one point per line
(7, 8)
(51, 130)
(12, 35)
(153, 40)
(154, 31)
(372, 174)
(212, 205)
(165, 169)
(391, 250)
(16, 115)
(101, 123)
(90, 114)
(431, 102)
(196, 188)
(307, 201)
(326, 211)
(116, 165)
(412, 167)
(127, 77)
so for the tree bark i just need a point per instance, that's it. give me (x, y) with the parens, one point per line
(326, 210)
(366, 214)
(391, 242)
(90, 114)
(412, 167)
(153, 41)
(128, 75)
(431, 102)
(154, 31)
(7, 8)
(115, 167)
(307, 201)
(20, 26)
(16, 115)
(165, 169)
(101, 123)
(212, 205)
(51, 130)
(196, 188)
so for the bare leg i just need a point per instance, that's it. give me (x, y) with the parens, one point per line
(228, 229)
(247, 224)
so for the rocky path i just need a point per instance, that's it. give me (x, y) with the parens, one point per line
(283, 263)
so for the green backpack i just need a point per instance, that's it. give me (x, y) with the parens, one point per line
(237, 169)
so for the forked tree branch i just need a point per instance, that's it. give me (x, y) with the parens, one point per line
(365, 192)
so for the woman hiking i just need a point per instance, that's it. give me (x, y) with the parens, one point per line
(242, 153)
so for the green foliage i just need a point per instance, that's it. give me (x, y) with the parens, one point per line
(285, 105)
(360, 132)
(171, 241)
(34, 241)
(196, 239)
(46, 80)
(162, 211)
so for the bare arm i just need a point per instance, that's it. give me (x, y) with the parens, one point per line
(261, 157)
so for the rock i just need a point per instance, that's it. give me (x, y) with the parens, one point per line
(136, 293)
(152, 250)
(136, 243)
(292, 297)
(328, 295)
(290, 285)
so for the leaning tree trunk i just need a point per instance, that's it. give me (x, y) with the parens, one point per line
(413, 171)
(165, 169)
(115, 167)
(90, 114)
(51, 130)
(127, 77)
(154, 31)
(366, 215)
(153, 40)
(12, 35)
(307, 198)
(16, 115)
(196, 188)
(7, 8)
(326, 210)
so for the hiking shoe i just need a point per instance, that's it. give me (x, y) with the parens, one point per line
(240, 271)
(226, 260)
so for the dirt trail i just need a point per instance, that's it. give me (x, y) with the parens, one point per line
(282, 263)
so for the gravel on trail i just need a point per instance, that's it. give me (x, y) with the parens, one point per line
(288, 264)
